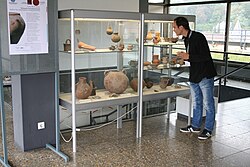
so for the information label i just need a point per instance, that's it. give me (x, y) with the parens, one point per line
(28, 26)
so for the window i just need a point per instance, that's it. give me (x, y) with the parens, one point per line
(186, 1)
(155, 1)
(239, 31)
(210, 20)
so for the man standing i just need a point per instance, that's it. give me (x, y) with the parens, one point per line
(201, 77)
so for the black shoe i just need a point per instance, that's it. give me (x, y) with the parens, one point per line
(205, 134)
(190, 129)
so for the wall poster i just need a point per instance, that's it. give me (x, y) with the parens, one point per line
(28, 26)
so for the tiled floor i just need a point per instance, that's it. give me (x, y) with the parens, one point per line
(161, 144)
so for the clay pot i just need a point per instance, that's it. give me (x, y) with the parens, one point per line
(130, 47)
(164, 60)
(115, 37)
(164, 82)
(83, 89)
(134, 84)
(157, 37)
(180, 61)
(133, 63)
(174, 40)
(115, 81)
(149, 36)
(112, 47)
(120, 47)
(173, 61)
(171, 81)
(156, 59)
(109, 30)
(67, 45)
(148, 83)
(146, 63)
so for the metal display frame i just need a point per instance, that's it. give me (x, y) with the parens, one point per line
(3, 51)
(165, 18)
(4, 159)
(91, 14)
(69, 102)
(57, 148)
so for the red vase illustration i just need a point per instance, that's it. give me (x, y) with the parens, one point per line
(35, 2)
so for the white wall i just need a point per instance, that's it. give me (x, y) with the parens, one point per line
(155, 9)
(113, 5)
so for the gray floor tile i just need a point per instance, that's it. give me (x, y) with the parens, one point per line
(161, 145)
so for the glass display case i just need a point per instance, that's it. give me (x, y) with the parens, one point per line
(98, 55)
(109, 59)
(160, 63)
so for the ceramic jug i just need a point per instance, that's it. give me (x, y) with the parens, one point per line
(83, 89)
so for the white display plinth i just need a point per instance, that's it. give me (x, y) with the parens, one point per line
(182, 106)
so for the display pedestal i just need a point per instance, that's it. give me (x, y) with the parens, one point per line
(34, 110)
(182, 108)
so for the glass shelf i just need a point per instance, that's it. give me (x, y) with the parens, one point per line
(99, 51)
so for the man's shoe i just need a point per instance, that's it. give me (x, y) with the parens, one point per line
(190, 129)
(205, 134)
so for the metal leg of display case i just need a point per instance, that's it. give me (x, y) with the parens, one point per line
(138, 121)
(73, 98)
(4, 160)
(58, 146)
(57, 151)
(168, 107)
(119, 120)
(189, 110)
(140, 78)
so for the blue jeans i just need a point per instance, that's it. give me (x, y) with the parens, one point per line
(202, 96)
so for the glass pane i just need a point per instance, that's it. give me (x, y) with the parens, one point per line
(155, 1)
(239, 58)
(185, 1)
(163, 71)
(217, 56)
(239, 34)
(106, 60)
(210, 20)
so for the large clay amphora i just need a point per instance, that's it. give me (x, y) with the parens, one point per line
(115, 81)
(83, 89)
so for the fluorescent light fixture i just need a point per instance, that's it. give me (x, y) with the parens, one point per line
(155, 1)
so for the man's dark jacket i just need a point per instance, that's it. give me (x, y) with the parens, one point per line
(201, 62)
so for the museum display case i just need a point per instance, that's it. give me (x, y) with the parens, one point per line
(116, 58)
(160, 62)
